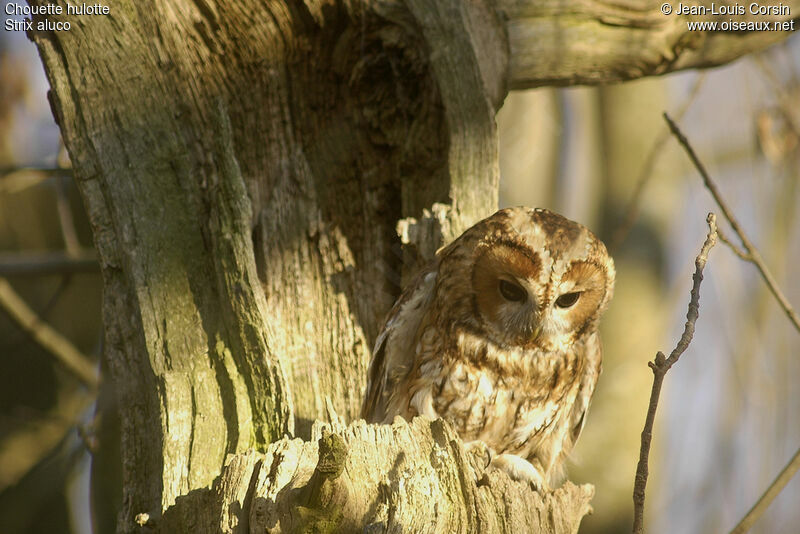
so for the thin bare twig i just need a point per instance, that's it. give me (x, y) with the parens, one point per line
(751, 255)
(660, 366)
(54, 343)
(766, 499)
(733, 246)
(646, 172)
(31, 441)
(755, 256)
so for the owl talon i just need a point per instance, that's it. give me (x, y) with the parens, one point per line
(498, 337)
(520, 469)
(480, 457)
(481, 451)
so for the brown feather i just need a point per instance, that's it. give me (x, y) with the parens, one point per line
(503, 364)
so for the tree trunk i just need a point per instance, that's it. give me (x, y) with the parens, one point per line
(246, 168)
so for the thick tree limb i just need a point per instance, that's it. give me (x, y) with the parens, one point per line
(404, 477)
(596, 42)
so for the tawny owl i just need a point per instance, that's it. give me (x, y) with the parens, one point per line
(498, 336)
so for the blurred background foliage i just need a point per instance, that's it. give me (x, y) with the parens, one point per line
(727, 419)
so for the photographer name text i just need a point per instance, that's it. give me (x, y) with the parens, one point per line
(732, 9)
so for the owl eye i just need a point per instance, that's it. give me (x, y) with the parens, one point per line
(567, 300)
(512, 292)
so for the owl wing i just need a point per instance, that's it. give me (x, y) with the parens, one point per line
(594, 359)
(395, 350)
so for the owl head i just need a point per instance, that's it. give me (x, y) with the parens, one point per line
(534, 279)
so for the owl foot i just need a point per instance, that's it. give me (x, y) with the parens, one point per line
(480, 457)
(481, 452)
(520, 469)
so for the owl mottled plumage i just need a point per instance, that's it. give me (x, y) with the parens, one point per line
(498, 336)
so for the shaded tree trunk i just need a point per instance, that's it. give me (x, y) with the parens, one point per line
(246, 167)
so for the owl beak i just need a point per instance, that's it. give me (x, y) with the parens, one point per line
(537, 331)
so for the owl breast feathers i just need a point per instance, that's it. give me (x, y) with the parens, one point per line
(498, 336)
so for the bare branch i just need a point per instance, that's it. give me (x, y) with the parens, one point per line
(660, 367)
(54, 343)
(30, 441)
(42, 263)
(751, 255)
(47, 171)
(773, 490)
(733, 246)
(755, 256)
(16, 179)
(629, 40)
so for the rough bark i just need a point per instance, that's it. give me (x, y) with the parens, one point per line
(245, 166)
(598, 42)
(365, 478)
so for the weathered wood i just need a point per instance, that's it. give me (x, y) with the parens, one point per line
(596, 42)
(185, 317)
(338, 129)
(404, 477)
(245, 166)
